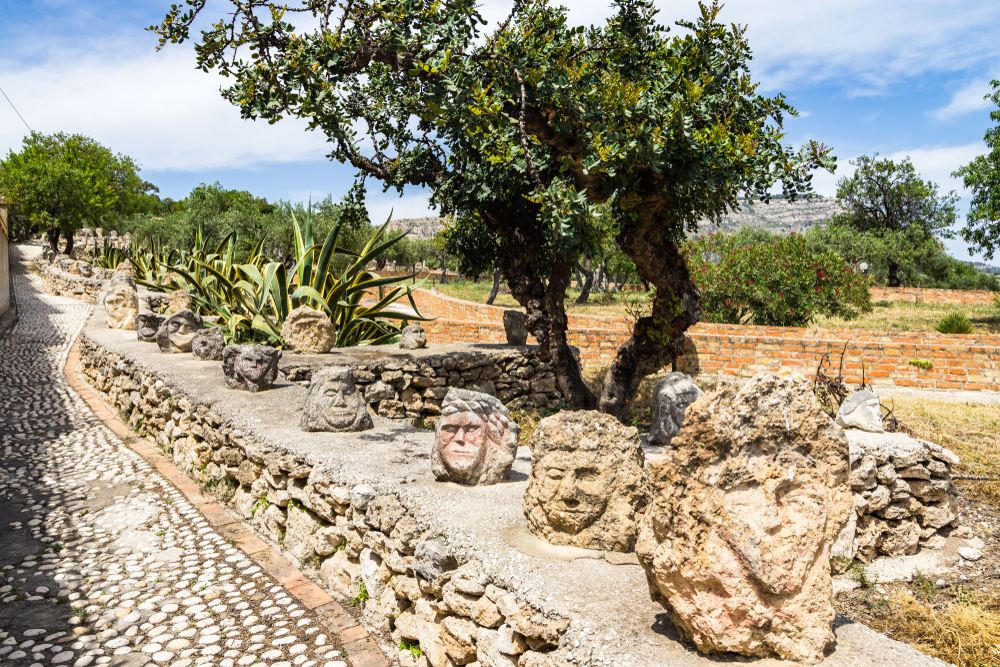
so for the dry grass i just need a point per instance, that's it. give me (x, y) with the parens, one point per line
(900, 316)
(964, 631)
(602, 304)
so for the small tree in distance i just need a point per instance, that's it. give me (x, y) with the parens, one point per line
(889, 202)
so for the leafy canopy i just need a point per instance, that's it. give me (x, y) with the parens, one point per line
(982, 176)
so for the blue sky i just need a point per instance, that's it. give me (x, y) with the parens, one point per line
(903, 78)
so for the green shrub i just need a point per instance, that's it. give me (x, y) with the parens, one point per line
(778, 283)
(954, 323)
(921, 363)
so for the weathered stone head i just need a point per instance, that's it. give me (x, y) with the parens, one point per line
(308, 331)
(178, 331)
(334, 402)
(671, 396)
(180, 300)
(413, 337)
(587, 487)
(250, 367)
(208, 344)
(85, 269)
(122, 306)
(126, 267)
(747, 502)
(514, 327)
(861, 410)
(475, 439)
(147, 325)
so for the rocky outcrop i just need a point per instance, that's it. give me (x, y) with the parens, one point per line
(587, 486)
(746, 504)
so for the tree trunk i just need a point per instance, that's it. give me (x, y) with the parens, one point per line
(564, 363)
(588, 282)
(53, 235)
(658, 339)
(894, 280)
(69, 242)
(444, 272)
(496, 288)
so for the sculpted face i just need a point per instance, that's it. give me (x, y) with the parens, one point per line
(147, 324)
(463, 443)
(178, 331)
(334, 403)
(254, 365)
(475, 439)
(122, 306)
(574, 489)
(250, 367)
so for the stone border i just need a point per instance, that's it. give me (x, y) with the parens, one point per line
(362, 651)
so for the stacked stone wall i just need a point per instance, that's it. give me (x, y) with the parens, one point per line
(344, 532)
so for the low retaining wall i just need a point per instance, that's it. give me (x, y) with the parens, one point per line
(926, 295)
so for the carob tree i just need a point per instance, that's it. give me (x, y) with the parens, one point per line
(524, 134)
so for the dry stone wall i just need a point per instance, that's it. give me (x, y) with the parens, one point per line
(342, 531)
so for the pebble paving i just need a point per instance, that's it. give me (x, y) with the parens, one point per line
(104, 561)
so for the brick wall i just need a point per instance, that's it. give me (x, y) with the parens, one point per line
(920, 295)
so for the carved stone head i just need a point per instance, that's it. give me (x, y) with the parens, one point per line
(587, 487)
(334, 402)
(671, 397)
(178, 331)
(861, 410)
(475, 439)
(180, 300)
(413, 337)
(122, 306)
(208, 344)
(250, 367)
(147, 325)
(308, 331)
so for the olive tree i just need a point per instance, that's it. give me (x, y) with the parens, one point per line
(982, 176)
(522, 133)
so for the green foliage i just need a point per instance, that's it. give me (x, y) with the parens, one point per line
(109, 256)
(411, 645)
(779, 283)
(921, 363)
(982, 176)
(954, 323)
(362, 595)
(62, 182)
(262, 502)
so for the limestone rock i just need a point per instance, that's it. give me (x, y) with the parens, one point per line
(334, 402)
(671, 397)
(475, 440)
(208, 344)
(122, 306)
(84, 269)
(861, 410)
(587, 486)
(900, 538)
(302, 524)
(746, 506)
(178, 331)
(431, 559)
(308, 331)
(180, 300)
(146, 326)
(341, 574)
(250, 367)
(514, 327)
(488, 648)
(459, 639)
(413, 337)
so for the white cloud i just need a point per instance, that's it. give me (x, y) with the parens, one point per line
(970, 98)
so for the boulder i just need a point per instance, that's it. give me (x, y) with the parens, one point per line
(342, 575)
(180, 300)
(671, 397)
(250, 367)
(208, 344)
(513, 325)
(308, 331)
(147, 325)
(121, 306)
(413, 337)
(177, 332)
(475, 440)
(861, 410)
(746, 505)
(587, 486)
(334, 403)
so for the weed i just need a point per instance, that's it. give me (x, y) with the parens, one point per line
(924, 587)
(954, 323)
(362, 596)
(84, 512)
(861, 575)
(260, 503)
(921, 363)
(411, 645)
(80, 612)
(161, 533)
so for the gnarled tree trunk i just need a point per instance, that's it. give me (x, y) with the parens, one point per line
(496, 288)
(588, 284)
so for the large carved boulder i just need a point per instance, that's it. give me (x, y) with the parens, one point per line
(514, 327)
(308, 331)
(208, 344)
(250, 367)
(587, 486)
(475, 440)
(334, 402)
(747, 503)
(147, 325)
(180, 300)
(121, 306)
(413, 337)
(671, 397)
(178, 331)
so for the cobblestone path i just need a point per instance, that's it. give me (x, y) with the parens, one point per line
(103, 561)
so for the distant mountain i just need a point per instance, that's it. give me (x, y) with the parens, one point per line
(423, 228)
(780, 216)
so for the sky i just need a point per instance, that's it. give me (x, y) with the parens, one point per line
(897, 77)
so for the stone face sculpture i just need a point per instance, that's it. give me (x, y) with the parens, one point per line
(250, 367)
(334, 402)
(747, 503)
(85, 269)
(126, 267)
(308, 331)
(208, 344)
(180, 300)
(513, 325)
(122, 306)
(178, 331)
(587, 487)
(671, 397)
(413, 337)
(147, 325)
(475, 440)
(861, 410)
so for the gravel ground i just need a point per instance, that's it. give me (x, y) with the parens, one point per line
(103, 561)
